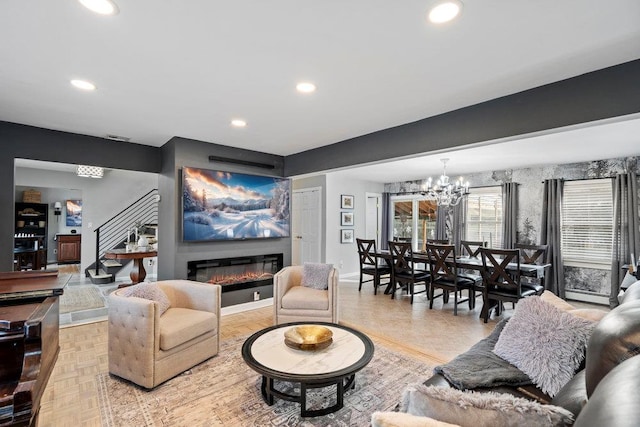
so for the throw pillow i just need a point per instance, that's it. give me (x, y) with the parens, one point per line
(149, 291)
(316, 276)
(556, 301)
(401, 419)
(472, 409)
(594, 314)
(544, 342)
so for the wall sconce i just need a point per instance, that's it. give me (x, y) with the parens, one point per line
(57, 209)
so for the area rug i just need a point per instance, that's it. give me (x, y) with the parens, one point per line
(224, 391)
(79, 298)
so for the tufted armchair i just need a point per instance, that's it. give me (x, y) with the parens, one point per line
(148, 348)
(293, 302)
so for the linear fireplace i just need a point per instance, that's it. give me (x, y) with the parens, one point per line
(243, 279)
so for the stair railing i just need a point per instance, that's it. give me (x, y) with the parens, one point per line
(114, 231)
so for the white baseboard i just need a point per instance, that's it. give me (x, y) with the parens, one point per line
(587, 297)
(252, 305)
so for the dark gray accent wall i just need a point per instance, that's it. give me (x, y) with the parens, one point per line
(173, 253)
(606, 93)
(27, 142)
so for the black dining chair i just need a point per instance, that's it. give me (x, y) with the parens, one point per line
(444, 275)
(471, 248)
(500, 283)
(534, 255)
(369, 264)
(403, 271)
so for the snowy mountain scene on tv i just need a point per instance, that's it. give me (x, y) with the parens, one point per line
(221, 205)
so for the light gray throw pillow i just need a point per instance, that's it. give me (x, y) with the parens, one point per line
(544, 342)
(149, 291)
(316, 275)
(473, 409)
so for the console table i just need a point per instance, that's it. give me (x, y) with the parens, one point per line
(138, 272)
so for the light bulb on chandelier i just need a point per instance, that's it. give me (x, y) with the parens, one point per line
(444, 192)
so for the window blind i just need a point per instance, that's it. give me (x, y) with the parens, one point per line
(587, 227)
(484, 216)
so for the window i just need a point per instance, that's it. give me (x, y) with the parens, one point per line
(587, 223)
(484, 216)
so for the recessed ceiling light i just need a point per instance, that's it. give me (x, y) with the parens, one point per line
(239, 123)
(103, 7)
(83, 84)
(305, 87)
(445, 11)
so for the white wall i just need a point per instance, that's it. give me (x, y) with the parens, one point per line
(101, 198)
(345, 255)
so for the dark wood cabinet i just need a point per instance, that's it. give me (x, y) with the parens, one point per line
(69, 247)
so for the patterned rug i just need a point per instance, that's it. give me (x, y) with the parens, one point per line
(224, 391)
(79, 298)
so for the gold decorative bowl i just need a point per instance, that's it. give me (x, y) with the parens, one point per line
(308, 337)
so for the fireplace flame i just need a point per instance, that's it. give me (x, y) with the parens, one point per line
(230, 279)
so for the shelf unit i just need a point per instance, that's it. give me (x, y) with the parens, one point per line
(31, 223)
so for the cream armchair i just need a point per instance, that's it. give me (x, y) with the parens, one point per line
(148, 348)
(295, 303)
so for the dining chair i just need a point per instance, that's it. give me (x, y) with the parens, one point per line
(501, 285)
(369, 264)
(444, 275)
(471, 248)
(532, 254)
(438, 241)
(403, 270)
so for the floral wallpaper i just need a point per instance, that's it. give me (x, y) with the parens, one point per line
(530, 192)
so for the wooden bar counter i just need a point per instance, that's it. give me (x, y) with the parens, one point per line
(29, 344)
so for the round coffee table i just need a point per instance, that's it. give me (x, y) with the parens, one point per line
(266, 353)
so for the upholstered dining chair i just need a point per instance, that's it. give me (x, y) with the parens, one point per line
(159, 330)
(306, 292)
(501, 285)
(369, 264)
(403, 271)
(532, 254)
(444, 275)
(471, 248)
(438, 241)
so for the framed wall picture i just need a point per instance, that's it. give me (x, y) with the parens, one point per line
(346, 218)
(74, 213)
(346, 201)
(346, 235)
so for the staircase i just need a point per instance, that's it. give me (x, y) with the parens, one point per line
(112, 235)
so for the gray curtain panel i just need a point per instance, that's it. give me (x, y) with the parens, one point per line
(385, 235)
(626, 226)
(550, 234)
(459, 223)
(441, 222)
(509, 214)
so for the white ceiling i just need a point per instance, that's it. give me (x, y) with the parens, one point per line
(186, 68)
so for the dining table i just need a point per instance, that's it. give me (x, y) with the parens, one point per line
(535, 271)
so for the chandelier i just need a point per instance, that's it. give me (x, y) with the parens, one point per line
(90, 171)
(444, 192)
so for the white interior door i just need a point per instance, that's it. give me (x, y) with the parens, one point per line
(306, 226)
(373, 218)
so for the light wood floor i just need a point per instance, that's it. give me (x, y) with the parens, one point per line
(435, 335)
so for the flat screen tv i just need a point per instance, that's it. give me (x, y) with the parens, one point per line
(219, 205)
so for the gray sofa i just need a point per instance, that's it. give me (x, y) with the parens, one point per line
(604, 391)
